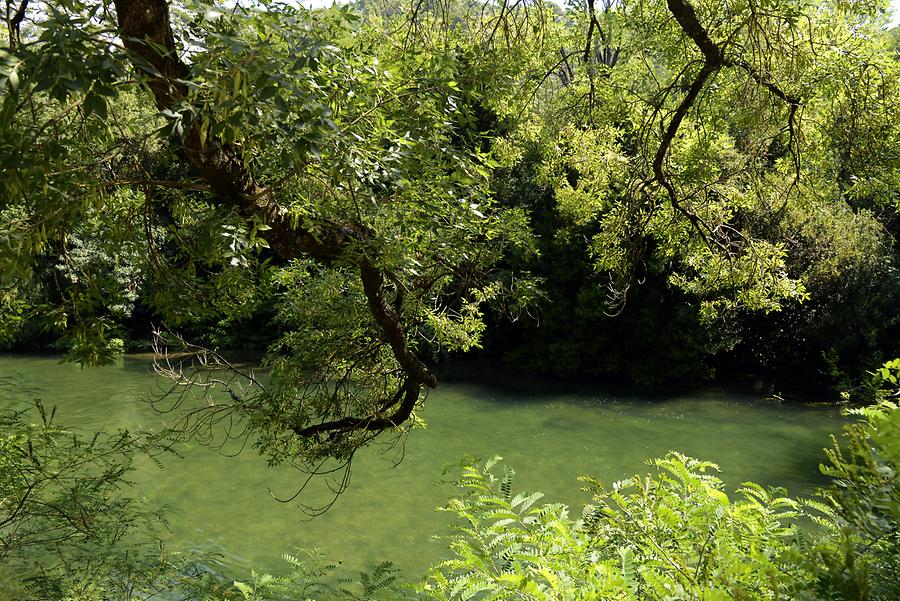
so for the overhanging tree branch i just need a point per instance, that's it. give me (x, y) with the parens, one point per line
(714, 60)
(408, 392)
(147, 35)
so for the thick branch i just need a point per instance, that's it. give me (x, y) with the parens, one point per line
(690, 24)
(389, 322)
(592, 16)
(147, 35)
(713, 61)
(678, 117)
(372, 423)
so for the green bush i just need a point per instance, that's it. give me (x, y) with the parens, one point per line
(860, 557)
(68, 527)
(675, 535)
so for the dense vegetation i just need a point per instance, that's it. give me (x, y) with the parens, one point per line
(638, 189)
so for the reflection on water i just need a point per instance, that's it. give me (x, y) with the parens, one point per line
(549, 437)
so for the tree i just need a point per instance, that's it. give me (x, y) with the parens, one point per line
(299, 157)
(717, 151)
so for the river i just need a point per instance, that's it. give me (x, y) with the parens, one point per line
(549, 434)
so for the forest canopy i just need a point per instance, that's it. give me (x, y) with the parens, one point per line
(618, 187)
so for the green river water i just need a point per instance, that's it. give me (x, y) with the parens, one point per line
(550, 436)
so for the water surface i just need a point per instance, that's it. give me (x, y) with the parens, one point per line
(549, 436)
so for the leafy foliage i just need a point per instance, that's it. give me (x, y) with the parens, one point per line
(676, 535)
(68, 528)
(363, 188)
(864, 515)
